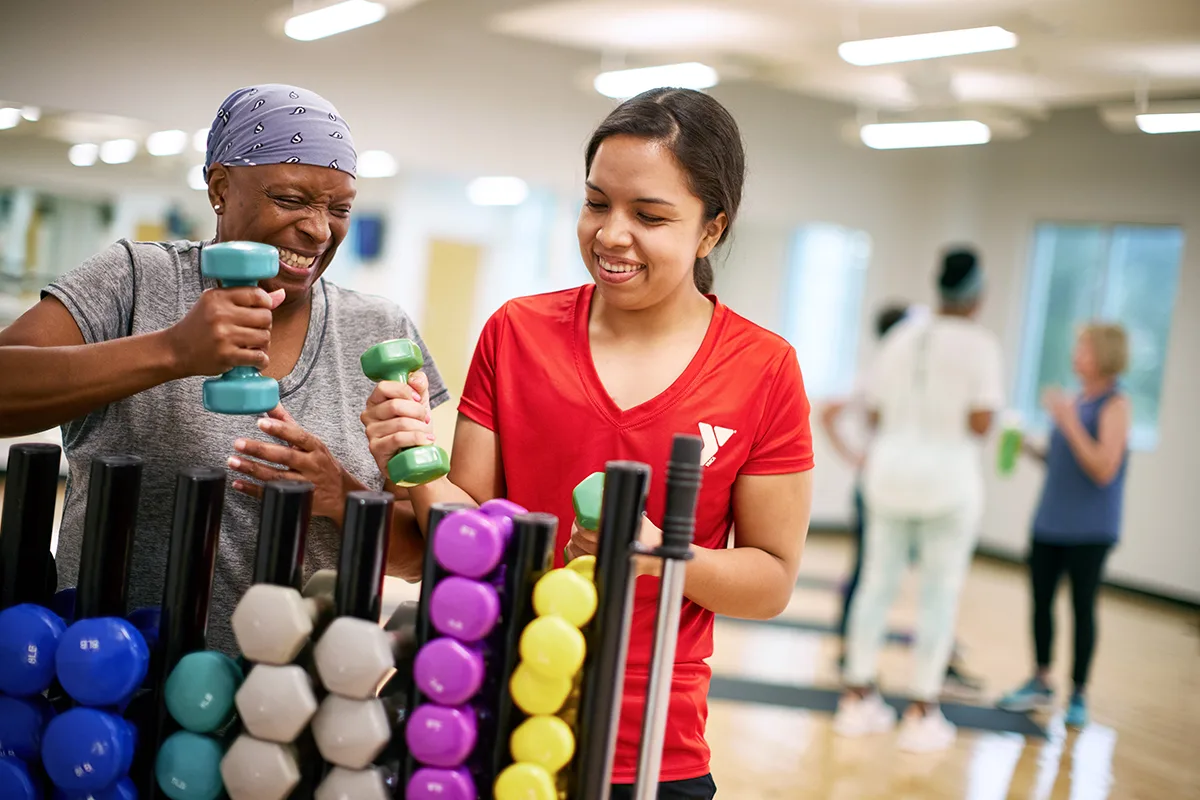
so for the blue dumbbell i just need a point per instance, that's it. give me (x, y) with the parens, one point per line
(147, 620)
(63, 604)
(86, 750)
(241, 390)
(22, 721)
(29, 638)
(102, 661)
(16, 783)
(121, 790)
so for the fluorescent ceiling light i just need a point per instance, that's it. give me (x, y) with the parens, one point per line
(118, 151)
(497, 191)
(31, 113)
(376, 164)
(166, 143)
(337, 18)
(196, 178)
(1168, 123)
(9, 118)
(869, 52)
(626, 83)
(83, 155)
(897, 135)
(200, 141)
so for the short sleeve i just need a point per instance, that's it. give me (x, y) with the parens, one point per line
(100, 294)
(438, 393)
(989, 387)
(479, 390)
(783, 442)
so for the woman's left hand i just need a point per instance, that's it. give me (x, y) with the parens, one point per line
(303, 458)
(584, 543)
(1058, 405)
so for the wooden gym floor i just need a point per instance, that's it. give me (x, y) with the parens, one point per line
(1143, 742)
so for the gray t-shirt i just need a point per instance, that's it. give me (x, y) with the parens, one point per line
(138, 287)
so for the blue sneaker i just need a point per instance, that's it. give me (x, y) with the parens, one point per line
(1033, 696)
(1077, 713)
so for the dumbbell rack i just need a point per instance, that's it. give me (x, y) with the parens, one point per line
(590, 711)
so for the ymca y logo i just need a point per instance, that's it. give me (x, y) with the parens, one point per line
(714, 437)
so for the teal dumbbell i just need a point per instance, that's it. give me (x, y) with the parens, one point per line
(188, 767)
(200, 692)
(241, 390)
(395, 361)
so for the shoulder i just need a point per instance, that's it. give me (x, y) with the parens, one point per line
(551, 306)
(154, 254)
(1117, 404)
(368, 311)
(758, 348)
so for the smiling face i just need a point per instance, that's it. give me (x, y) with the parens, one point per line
(302, 210)
(641, 228)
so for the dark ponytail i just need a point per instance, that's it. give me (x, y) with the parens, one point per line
(704, 139)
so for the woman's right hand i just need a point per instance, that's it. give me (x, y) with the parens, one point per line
(226, 328)
(397, 417)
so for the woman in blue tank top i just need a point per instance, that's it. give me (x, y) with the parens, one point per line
(1079, 517)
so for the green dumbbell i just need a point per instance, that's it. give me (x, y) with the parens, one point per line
(200, 691)
(241, 390)
(394, 361)
(586, 498)
(188, 767)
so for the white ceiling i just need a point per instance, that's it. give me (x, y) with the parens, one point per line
(464, 85)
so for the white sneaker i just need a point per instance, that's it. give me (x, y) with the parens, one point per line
(861, 717)
(926, 734)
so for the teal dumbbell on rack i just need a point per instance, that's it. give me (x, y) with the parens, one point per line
(241, 390)
(395, 360)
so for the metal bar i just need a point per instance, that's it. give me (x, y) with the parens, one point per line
(114, 486)
(283, 533)
(27, 524)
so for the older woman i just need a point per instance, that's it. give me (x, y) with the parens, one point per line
(117, 350)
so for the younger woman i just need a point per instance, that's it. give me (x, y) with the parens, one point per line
(1079, 517)
(563, 382)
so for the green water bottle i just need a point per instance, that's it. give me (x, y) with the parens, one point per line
(1011, 434)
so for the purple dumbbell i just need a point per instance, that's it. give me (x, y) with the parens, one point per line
(441, 784)
(449, 672)
(464, 608)
(503, 511)
(440, 736)
(469, 543)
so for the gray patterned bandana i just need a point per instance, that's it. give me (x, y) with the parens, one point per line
(278, 124)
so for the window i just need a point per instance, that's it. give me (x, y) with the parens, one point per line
(1082, 272)
(823, 304)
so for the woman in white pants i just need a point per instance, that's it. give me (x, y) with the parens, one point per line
(932, 390)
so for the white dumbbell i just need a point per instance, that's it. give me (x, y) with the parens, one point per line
(275, 703)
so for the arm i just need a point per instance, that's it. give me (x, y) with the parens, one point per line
(1032, 450)
(980, 422)
(755, 578)
(1100, 458)
(52, 376)
(829, 418)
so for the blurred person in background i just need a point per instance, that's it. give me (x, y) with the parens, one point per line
(1078, 519)
(932, 391)
(958, 682)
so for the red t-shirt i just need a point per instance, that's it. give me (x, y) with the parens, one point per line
(532, 382)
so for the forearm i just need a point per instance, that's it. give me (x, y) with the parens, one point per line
(406, 550)
(44, 387)
(741, 582)
(441, 490)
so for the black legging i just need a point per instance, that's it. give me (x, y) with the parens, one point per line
(1084, 563)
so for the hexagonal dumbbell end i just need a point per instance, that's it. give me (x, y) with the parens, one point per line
(355, 656)
(273, 623)
(357, 784)
(276, 703)
(256, 770)
(321, 584)
(351, 733)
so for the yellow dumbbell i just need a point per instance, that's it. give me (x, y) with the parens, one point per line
(525, 782)
(543, 740)
(552, 647)
(566, 593)
(585, 566)
(535, 693)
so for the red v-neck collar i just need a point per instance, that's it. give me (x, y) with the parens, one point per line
(660, 402)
